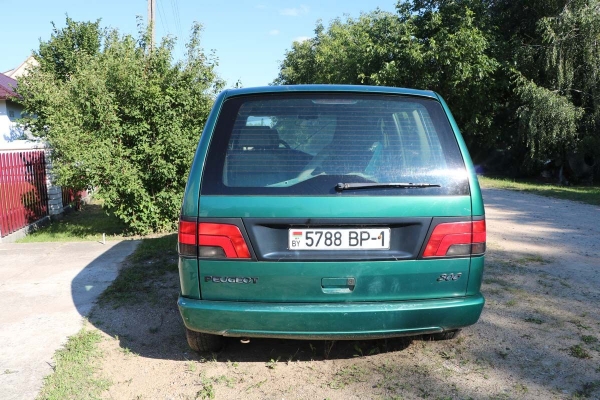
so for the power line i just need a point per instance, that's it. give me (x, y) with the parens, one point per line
(163, 19)
(175, 9)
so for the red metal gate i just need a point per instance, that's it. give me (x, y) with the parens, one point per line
(23, 192)
(72, 198)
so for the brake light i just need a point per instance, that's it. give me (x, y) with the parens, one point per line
(228, 237)
(187, 233)
(211, 240)
(456, 239)
(479, 237)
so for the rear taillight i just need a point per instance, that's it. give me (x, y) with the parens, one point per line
(479, 237)
(452, 239)
(228, 237)
(211, 240)
(187, 239)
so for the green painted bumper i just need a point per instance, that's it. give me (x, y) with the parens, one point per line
(329, 321)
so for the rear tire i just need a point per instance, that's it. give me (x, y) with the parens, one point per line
(203, 342)
(447, 335)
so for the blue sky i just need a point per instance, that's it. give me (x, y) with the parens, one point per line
(250, 37)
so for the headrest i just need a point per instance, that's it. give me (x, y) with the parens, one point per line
(258, 137)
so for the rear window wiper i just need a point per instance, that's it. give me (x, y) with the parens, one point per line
(367, 185)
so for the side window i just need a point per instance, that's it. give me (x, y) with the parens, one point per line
(433, 140)
(419, 142)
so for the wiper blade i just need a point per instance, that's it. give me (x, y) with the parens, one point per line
(367, 185)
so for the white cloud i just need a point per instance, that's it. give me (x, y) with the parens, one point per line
(274, 32)
(301, 39)
(260, 6)
(295, 12)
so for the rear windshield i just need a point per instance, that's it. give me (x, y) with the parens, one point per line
(306, 144)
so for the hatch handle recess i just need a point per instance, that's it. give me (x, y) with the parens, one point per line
(338, 285)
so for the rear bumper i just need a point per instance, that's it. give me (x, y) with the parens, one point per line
(329, 321)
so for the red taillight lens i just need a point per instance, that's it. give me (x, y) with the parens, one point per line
(187, 233)
(214, 240)
(456, 239)
(187, 239)
(479, 231)
(479, 237)
(226, 236)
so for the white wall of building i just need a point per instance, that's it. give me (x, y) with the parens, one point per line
(10, 112)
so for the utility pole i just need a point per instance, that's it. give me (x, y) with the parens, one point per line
(151, 20)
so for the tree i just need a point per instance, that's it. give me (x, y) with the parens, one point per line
(353, 51)
(522, 77)
(61, 54)
(550, 49)
(121, 117)
(458, 49)
(440, 49)
(572, 57)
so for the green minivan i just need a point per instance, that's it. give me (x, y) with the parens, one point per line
(330, 212)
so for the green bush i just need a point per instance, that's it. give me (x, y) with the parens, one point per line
(121, 116)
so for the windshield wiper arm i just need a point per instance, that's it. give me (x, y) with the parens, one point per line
(350, 186)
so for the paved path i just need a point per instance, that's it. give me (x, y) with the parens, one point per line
(45, 289)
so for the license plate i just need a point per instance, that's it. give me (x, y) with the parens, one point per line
(339, 239)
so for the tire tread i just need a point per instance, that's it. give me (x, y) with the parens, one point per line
(203, 342)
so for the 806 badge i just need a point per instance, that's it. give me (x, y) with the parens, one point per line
(339, 239)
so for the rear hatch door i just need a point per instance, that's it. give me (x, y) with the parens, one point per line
(336, 196)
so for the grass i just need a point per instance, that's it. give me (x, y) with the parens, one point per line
(589, 339)
(256, 385)
(534, 320)
(578, 352)
(153, 258)
(530, 259)
(207, 390)
(272, 364)
(511, 303)
(85, 225)
(580, 324)
(588, 389)
(584, 194)
(75, 369)
(349, 375)
(229, 382)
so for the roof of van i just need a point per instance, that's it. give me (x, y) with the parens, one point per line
(330, 88)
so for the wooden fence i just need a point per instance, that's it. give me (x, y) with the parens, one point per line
(23, 189)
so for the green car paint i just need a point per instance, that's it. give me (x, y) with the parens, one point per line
(328, 207)
(374, 281)
(332, 321)
(328, 299)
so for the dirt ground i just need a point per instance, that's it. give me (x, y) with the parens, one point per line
(538, 336)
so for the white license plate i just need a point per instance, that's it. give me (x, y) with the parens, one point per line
(339, 239)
